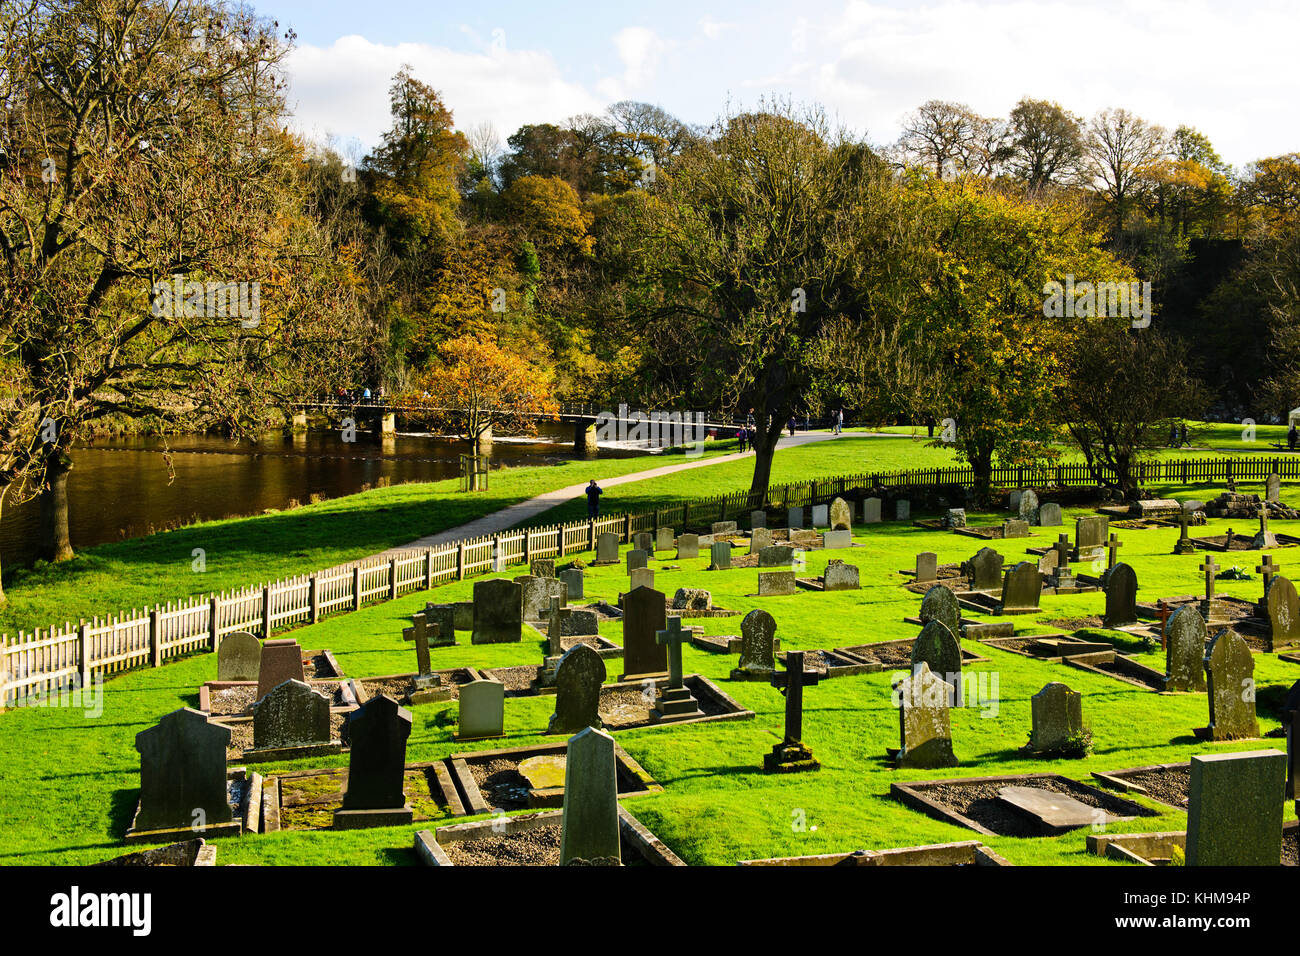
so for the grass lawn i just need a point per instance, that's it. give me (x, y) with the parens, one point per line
(68, 782)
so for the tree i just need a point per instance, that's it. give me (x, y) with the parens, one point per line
(1046, 145)
(550, 214)
(949, 138)
(1120, 147)
(1273, 186)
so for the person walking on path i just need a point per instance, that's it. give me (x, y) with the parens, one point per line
(1291, 437)
(837, 418)
(790, 425)
(741, 437)
(594, 491)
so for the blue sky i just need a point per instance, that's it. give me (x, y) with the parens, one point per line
(1224, 68)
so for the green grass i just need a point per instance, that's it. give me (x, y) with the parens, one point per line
(68, 781)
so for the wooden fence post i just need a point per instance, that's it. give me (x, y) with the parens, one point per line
(356, 587)
(155, 637)
(392, 578)
(313, 598)
(460, 560)
(528, 549)
(214, 643)
(627, 527)
(266, 612)
(428, 568)
(83, 653)
(498, 559)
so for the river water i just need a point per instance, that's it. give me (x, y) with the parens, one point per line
(119, 488)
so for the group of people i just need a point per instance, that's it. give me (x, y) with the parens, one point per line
(353, 395)
(745, 435)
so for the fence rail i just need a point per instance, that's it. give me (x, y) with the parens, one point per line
(58, 659)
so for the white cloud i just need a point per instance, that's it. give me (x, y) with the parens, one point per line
(712, 29)
(639, 49)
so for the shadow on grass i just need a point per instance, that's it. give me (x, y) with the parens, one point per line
(121, 810)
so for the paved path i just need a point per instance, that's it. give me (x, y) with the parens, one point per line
(521, 511)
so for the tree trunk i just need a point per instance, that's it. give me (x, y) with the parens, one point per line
(54, 543)
(764, 451)
(981, 463)
(3, 600)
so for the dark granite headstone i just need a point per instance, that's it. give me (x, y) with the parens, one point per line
(644, 614)
(281, 661)
(983, 572)
(182, 773)
(1022, 586)
(1120, 584)
(291, 715)
(378, 731)
(498, 612)
(578, 677)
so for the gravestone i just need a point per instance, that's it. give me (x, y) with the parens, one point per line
(482, 710)
(1027, 507)
(1184, 544)
(291, 715)
(927, 567)
(579, 623)
(688, 546)
(938, 647)
(806, 540)
(1047, 561)
(636, 558)
(723, 528)
(1049, 514)
(720, 556)
(664, 539)
(757, 647)
(1022, 586)
(759, 539)
(1185, 639)
(902, 510)
(1057, 713)
(498, 612)
(578, 677)
(1015, 528)
(792, 754)
(841, 576)
(692, 599)
(983, 572)
(821, 516)
(757, 519)
(776, 556)
(1120, 584)
(836, 540)
(462, 618)
(573, 581)
(924, 721)
(871, 511)
(542, 567)
(772, 583)
(644, 614)
(535, 595)
(1291, 724)
(794, 518)
(841, 515)
(239, 658)
(641, 578)
(954, 518)
(1234, 809)
(1273, 488)
(440, 624)
(1013, 500)
(940, 604)
(644, 541)
(182, 773)
(606, 548)
(1090, 538)
(1283, 612)
(378, 730)
(675, 700)
(1230, 669)
(281, 661)
(589, 825)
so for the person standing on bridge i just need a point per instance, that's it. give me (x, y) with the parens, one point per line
(594, 491)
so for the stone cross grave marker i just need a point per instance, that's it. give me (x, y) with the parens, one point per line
(1234, 810)
(482, 712)
(1185, 639)
(378, 731)
(1121, 596)
(421, 637)
(1209, 567)
(239, 657)
(757, 646)
(1267, 568)
(1057, 713)
(183, 773)
(1265, 538)
(578, 678)
(498, 612)
(675, 700)
(1230, 669)
(644, 615)
(927, 567)
(555, 628)
(281, 661)
(939, 649)
(924, 721)
(1113, 544)
(792, 754)
(589, 824)
(293, 714)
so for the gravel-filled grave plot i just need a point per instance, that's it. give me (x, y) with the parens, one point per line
(520, 681)
(946, 575)
(241, 733)
(1165, 783)
(1074, 623)
(975, 802)
(492, 780)
(835, 664)
(898, 654)
(233, 700)
(1291, 846)
(307, 799)
(539, 846)
(400, 686)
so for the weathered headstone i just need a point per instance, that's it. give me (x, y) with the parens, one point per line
(542, 567)
(954, 518)
(841, 515)
(378, 731)
(1013, 500)
(293, 714)
(641, 578)
(902, 510)
(688, 546)
(927, 567)
(281, 661)
(759, 539)
(1283, 612)
(636, 558)
(1015, 528)
(182, 773)
(535, 595)
(1230, 669)
(1027, 507)
(578, 677)
(792, 754)
(1291, 723)
(924, 721)
(940, 604)
(1120, 584)
(1185, 639)
(644, 614)
(1047, 561)
(1049, 514)
(776, 556)
(664, 539)
(1090, 537)
(720, 556)
(573, 580)
(692, 599)
(239, 658)
(837, 540)
(757, 647)
(589, 824)
(771, 583)
(757, 519)
(938, 647)
(1057, 713)
(871, 511)
(794, 518)
(606, 548)
(1234, 809)
(821, 516)
(482, 710)
(440, 624)
(498, 612)
(723, 528)
(1273, 487)
(644, 541)
(841, 576)
(1022, 586)
(983, 572)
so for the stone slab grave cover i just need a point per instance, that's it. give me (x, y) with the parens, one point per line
(1230, 669)
(378, 731)
(239, 658)
(641, 578)
(757, 519)
(1057, 713)
(927, 567)
(1022, 586)
(759, 539)
(535, 595)
(835, 540)
(281, 661)
(636, 558)
(498, 612)
(183, 775)
(573, 580)
(589, 827)
(482, 710)
(606, 548)
(578, 677)
(938, 648)
(776, 556)
(1283, 612)
(664, 539)
(775, 583)
(1049, 515)
(542, 567)
(1027, 507)
(940, 604)
(924, 722)
(902, 510)
(644, 615)
(720, 556)
(1015, 528)
(1234, 809)
(821, 516)
(688, 546)
(841, 576)
(292, 715)
(871, 511)
(841, 515)
(1185, 640)
(794, 518)
(983, 572)
(757, 647)
(792, 754)
(440, 624)
(1055, 812)
(644, 541)
(1120, 585)
(1090, 538)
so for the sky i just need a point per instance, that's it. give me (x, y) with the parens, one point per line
(1225, 68)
